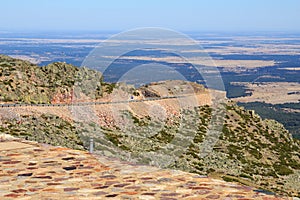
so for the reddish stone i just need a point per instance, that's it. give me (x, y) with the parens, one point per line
(213, 196)
(271, 198)
(50, 161)
(108, 177)
(111, 195)
(4, 160)
(204, 184)
(11, 162)
(170, 194)
(43, 177)
(34, 189)
(186, 195)
(235, 196)
(131, 181)
(191, 183)
(247, 188)
(199, 188)
(68, 158)
(30, 181)
(84, 173)
(111, 182)
(59, 149)
(53, 183)
(13, 154)
(202, 192)
(165, 180)
(13, 171)
(69, 168)
(167, 198)
(52, 172)
(85, 167)
(102, 187)
(39, 150)
(130, 193)
(25, 174)
(50, 190)
(99, 193)
(133, 187)
(149, 193)
(41, 174)
(146, 178)
(31, 168)
(181, 179)
(128, 177)
(121, 185)
(101, 169)
(13, 195)
(60, 179)
(239, 187)
(96, 184)
(19, 191)
(79, 159)
(61, 155)
(30, 164)
(70, 189)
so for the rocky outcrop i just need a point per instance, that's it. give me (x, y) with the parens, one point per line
(24, 82)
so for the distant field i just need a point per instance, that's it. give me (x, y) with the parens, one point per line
(291, 68)
(207, 62)
(271, 92)
(271, 61)
(274, 100)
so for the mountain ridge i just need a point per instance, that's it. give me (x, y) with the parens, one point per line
(248, 149)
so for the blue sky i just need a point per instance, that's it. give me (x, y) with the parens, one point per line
(184, 15)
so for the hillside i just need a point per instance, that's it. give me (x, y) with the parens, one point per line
(255, 152)
(23, 82)
(249, 150)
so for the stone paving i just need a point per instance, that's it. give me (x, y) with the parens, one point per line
(29, 170)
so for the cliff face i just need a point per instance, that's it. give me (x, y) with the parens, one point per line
(248, 149)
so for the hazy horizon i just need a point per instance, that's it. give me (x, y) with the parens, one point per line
(116, 15)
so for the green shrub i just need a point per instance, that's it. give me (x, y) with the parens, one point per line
(282, 169)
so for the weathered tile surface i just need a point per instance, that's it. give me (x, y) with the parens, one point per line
(38, 171)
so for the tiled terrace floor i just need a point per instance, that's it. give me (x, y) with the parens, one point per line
(29, 170)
